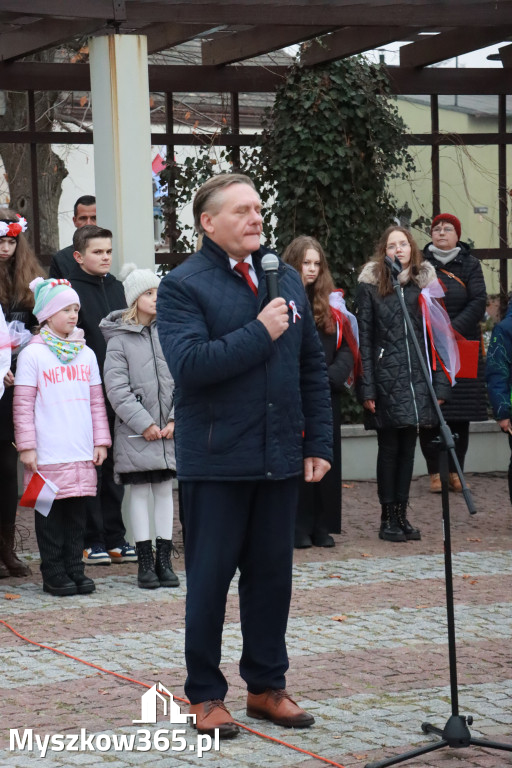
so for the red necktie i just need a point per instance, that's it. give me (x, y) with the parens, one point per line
(243, 269)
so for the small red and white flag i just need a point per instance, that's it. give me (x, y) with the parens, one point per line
(39, 494)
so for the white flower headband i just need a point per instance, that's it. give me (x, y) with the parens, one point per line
(13, 228)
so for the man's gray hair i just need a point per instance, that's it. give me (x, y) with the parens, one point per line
(207, 195)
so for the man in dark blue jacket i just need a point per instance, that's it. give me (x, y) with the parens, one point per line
(84, 214)
(252, 414)
(498, 371)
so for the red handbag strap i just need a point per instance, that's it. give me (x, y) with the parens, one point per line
(450, 274)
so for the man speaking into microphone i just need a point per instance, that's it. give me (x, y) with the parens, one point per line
(252, 414)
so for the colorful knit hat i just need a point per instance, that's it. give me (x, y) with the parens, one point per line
(51, 296)
(136, 281)
(450, 219)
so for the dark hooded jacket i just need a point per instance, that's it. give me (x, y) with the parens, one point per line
(246, 407)
(392, 374)
(98, 297)
(499, 367)
(63, 263)
(465, 305)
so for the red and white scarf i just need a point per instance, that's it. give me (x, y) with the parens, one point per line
(346, 327)
(438, 332)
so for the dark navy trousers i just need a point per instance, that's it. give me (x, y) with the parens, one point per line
(250, 526)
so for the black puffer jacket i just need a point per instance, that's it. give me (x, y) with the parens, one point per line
(98, 297)
(465, 305)
(63, 263)
(392, 374)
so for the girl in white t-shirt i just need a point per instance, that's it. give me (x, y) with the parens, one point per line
(61, 430)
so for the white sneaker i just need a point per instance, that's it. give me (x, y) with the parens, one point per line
(96, 556)
(124, 554)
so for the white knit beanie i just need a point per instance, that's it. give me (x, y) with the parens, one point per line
(136, 281)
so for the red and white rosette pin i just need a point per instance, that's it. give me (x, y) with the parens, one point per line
(295, 311)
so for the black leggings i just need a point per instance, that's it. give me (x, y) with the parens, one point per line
(431, 450)
(395, 462)
(9, 486)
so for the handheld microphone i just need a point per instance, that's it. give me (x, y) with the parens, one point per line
(393, 265)
(270, 265)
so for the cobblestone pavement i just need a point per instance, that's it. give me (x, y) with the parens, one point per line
(367, 640)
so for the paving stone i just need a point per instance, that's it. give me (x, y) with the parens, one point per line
(370, 678)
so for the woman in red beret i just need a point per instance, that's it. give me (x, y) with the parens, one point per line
(465, 299)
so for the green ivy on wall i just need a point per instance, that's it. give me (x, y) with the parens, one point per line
(331, 144)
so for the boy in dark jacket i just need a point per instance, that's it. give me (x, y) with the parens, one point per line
(100, 293)
(498, 372)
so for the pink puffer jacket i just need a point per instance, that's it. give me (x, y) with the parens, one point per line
(76, 478)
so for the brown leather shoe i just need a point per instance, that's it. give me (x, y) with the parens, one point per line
(279, 708)
(435, 483)
(211, 715)
(454, 483)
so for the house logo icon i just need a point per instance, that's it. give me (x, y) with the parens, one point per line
(149, 707)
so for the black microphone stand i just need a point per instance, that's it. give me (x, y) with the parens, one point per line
(456, 733)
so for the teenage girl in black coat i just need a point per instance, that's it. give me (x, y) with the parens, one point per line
(319, 510)
(392, 387)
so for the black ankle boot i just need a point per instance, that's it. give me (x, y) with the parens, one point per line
(146, 576)
(323, 539)
(84, 584)
(390, 529)
(163, 566)
(59, 585)
(302, 540)
(411, 534)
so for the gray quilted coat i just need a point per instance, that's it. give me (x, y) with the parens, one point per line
(140, 389)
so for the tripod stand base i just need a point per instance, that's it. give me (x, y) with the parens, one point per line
(455, 734)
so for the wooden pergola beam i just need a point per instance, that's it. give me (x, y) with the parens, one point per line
(447, 45)
(420, 13)
(506, 55)
(250, 79)
(43, 34)
(446, 82)
(230, 48)
(336, 13)
(161, 36)
(349, 41)
(163, 78)
(66, 9)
